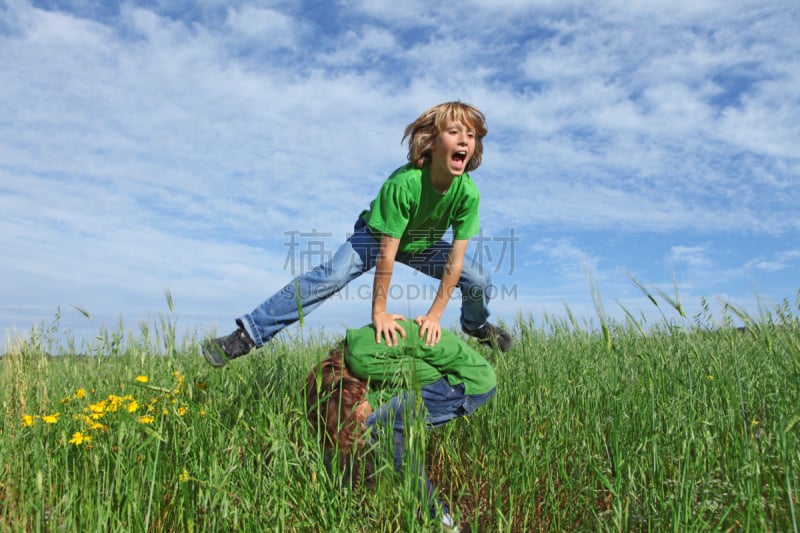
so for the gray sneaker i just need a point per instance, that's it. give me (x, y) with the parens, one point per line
(218, 351)
(491, 335)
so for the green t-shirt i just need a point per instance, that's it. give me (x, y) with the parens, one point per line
(409, 208)
(412, 364)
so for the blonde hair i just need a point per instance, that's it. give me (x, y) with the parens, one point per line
(422, 132)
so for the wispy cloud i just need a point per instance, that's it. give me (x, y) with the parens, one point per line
(146, 145)
(693, 256)
(781, 262)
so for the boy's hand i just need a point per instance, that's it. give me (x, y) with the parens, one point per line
(429, 328)
(386, 326)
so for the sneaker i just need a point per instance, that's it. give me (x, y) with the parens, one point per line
(448, 524)
(491, 335)
(218, 351)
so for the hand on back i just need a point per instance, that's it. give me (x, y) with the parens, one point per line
(386, 326)
(429, 329)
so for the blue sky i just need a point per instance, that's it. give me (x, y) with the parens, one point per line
(152, 146)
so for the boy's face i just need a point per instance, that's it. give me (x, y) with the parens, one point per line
(452, 150)
(363, 410)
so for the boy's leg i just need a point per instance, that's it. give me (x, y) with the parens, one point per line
(473, 284)
(396, 416)
(307, 291)
(475, 287)
(301, 295)
(443, 403)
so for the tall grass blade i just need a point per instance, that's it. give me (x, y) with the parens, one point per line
(601, 314)
(83, 311)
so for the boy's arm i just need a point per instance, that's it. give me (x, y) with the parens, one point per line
(429, 325)
(385, 324)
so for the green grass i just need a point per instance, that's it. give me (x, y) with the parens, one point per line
(683, 425)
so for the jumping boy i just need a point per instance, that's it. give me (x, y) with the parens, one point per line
(405, 222)
(345, 393)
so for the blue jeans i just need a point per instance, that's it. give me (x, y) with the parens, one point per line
(356, 256)
(442, 403)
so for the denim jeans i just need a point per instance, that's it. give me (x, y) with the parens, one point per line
(442, 403)
(356, 256)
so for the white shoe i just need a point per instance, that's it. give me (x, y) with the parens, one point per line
(448, 524)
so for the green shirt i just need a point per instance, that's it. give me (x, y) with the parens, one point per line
(412, 364)
(409, 208)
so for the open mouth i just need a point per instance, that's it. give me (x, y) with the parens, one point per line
(460, 157)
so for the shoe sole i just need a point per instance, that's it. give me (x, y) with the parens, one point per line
(493, 340)
(213, 358)
(494, 344)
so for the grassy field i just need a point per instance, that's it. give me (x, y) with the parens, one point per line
(685, 425)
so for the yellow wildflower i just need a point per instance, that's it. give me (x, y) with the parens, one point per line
(98, 407)
(142, 379)
(79, 438)
(146, 419)
(27, 420)
(133, 406)
(51, 419)
(182, 410)
(80, 393)
(184, 477)
(114, 403)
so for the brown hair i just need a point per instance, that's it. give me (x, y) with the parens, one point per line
(332, 394)
(422, 132)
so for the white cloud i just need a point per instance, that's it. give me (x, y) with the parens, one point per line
(567, 257)
(364, 46)
(692, 256)
(268, 27)
(780, 262)
(206, 134)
